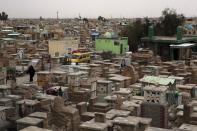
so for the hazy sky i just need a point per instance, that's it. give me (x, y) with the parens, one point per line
(94, 8)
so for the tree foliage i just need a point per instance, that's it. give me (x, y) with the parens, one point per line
(169, 21)
(146, 25)
(103, 19)
(166, 26)
(3, 16)
(134, 32)
(41, 18)
(85, 20)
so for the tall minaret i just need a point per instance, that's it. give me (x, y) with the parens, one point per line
(57, 15)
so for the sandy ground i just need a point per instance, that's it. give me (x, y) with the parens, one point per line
(25, 79)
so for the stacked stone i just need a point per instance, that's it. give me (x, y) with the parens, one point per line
(43, 78)
(95, 70)
(194, 75)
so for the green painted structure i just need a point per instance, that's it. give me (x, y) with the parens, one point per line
(115, 45)
(162, 45)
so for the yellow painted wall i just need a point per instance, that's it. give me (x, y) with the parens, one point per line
(56, 46)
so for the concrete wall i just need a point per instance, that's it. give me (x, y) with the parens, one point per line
(158, 113)
(109, 45)
(62, 46)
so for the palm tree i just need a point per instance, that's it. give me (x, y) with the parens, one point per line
(4, 16)
(100, 18)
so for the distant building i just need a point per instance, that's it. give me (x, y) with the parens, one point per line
(170, 48)
(110, 42)
(190, 26)
(61, 47)
(94, 35)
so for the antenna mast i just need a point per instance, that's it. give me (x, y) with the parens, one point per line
(57, 15)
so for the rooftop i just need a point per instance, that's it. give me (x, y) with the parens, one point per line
(184, 45)
(119, 78)
(101, 104)
(184, 87)
(132, 103)
(39, 115)
(34, 128)
(8, 39)
(124, 91)
(104, 81)
(126, 121)
(157, 129)
(30, 120)
(4, 87)
(155, 88)
(188, 127)
(2, 108)
(28, 102)
(157, 80)
(119, 112)
(94, 126)
(168, 40)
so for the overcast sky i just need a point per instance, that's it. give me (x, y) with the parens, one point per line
(94, 8)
